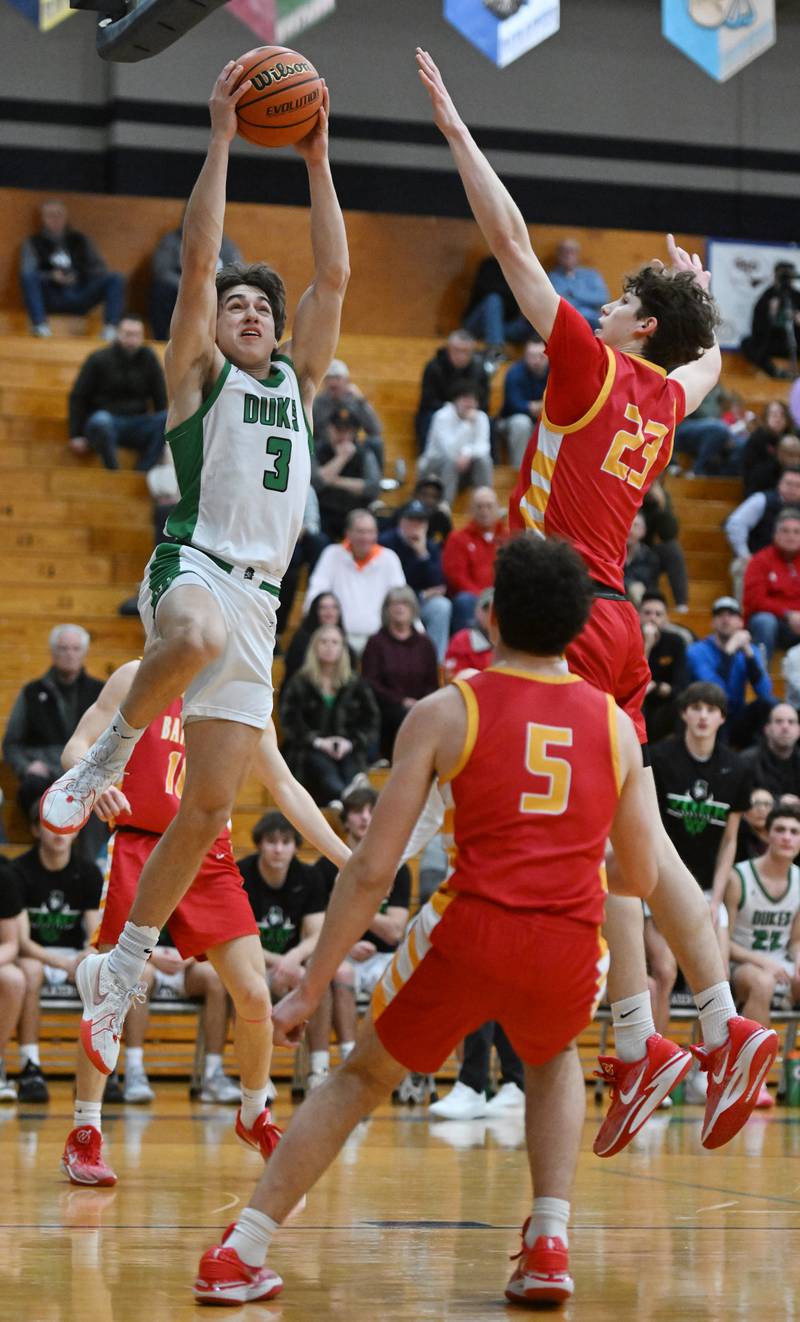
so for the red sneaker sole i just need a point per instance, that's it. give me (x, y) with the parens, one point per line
(546, 1294)
(654, 1102)
(217, 1300)
(106, 1183)
(86, 1043)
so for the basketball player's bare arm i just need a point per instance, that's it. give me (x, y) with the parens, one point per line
(493, 207)
(294, 801)
(700, 377)
(631, 831)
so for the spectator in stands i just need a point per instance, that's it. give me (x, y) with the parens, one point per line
(12, 979)
(399, 663)
(753, 836)
(47, 710)
(776, 323)
(329, 719)
(794, 403)
(492, 313)
(346, 475)
(166, 275)
(359, 573)
(120, 398)
(430, 491)
(62, 271)
(59, 902)
(661, 536)
(323, 610)
(790, 669)
(751, 525)
(421, 558)
(665, 650)
(456, 364)
(523, 398)
(582, 286)
(771, 605)
(770, 448)
(469, 554)
(467, 1100)
(708, 439)
(774, 762)
(728, 658)
(641, 563)
(458, 449)
(339, 391)
(308, 549)
(471, 649)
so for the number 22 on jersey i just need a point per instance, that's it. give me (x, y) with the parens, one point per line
(555, 771)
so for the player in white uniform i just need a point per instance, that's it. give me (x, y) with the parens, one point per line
(237, 427)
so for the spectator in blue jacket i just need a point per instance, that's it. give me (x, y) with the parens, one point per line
(581, 286)
(523, 398)
(729, 658)
(421, 559)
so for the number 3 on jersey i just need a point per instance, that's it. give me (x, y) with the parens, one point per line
(625, 441)
(279, 448)
(556, 771)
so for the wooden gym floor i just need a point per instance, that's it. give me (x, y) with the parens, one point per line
(415, 1221)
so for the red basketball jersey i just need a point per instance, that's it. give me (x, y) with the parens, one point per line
(585, 481)
(535, 792)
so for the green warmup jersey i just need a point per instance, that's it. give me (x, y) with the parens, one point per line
(764, 923)
(243, 463)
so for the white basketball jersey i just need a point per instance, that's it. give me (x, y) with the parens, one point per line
(243, 463)
(764, 923)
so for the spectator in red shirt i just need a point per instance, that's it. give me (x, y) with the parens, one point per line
(772, 587)
(471, 649)
(469, 555)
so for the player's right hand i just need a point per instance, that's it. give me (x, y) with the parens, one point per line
(290, 1016)
(224, 97)
(111, 803)
(445, 115)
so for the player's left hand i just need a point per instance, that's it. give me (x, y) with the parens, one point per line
(445, 115)
(680, 260)
(223, 100)
(314, 146)
(290, 1016)
(111, 803)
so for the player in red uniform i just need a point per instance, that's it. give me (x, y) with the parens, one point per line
(607, 428)
(539, 767)
(213, 920)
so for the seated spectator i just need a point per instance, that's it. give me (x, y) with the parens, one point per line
(582, 286)
(774, 761)
(471, 649)
(467, 1100)
(469, 554)
(62, 271)
(120, 398)
(359, 573)
(430, 491)
(771, 605)
(492, 313)
(523, 399)
(12, 979)
(751, 525)
(776, 319)
(458, 449)
(339, 391)
(307, 551)
(665, 651)
(456, 364)
(421, 558)
(324, 610)
(59, 902)
(770, 448)
(399, 664)
(728, 658)
(753, 835)
(708, 438)
(329, 719)
(166, 275)
(661, 536)
(346, 475)
(641, 563)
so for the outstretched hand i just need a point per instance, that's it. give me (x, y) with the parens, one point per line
(225, 96)
(291, 1015)
(681, 260)
(314, 146)
(445, 115)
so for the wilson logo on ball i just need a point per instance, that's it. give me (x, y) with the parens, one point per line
(266, 77)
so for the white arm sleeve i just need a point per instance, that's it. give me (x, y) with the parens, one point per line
(429, 823)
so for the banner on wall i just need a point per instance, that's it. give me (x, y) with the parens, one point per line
(722, 36)
(44, 13)
(740, 272)
(280, 21)
(504, 29)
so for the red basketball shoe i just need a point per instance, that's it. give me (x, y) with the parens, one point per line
(222, 1278)
(736, 1071)
(264, 1136)
(541, 1275)
(82, 1159)
(638, 1088)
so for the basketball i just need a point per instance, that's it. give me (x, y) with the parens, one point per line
(283, 102)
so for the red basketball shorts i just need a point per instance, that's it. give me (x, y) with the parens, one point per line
(465, 961)
(609, 653)
(214, 909)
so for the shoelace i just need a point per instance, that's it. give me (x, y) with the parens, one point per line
(138, 994)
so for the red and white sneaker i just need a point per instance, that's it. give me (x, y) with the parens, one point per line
(106, 1002)
(67, 805)
(222, 1278)
(638, 1088)
(736, 1070)
(541, 1275)
(264, 1136)
(82, 1159)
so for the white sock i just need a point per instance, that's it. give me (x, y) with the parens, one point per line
(29, 1051)
(319, 1062)
(213, 1063)
(715, 1007)
(87, 1113)
(131, 953)
(345, 1048)
(114, 746)
(549, 1217)
(633, 1024)
(251, 1236)
(134, 1058)
(254, 1101)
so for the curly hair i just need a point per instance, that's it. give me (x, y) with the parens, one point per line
(687, 315)
(262, 277)
(542, 594)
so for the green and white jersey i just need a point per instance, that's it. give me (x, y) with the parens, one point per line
(764, 923)
(243, 463)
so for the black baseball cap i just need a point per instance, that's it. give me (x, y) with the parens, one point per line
(414, 510)
(344, 417)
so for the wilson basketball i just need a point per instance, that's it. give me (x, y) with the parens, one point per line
(283, 102)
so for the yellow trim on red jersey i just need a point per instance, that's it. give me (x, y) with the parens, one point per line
(530, 674)
(614, 741)
(591, 414)
(471, 704)
(662, 371)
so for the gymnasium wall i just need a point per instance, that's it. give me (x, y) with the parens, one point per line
(605, 124)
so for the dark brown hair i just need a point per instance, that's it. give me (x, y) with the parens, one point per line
(687, 315)
(262, 277)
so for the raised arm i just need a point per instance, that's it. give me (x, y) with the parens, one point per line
(698, 378)
(493, 207)
(294, 801)
(315, 333)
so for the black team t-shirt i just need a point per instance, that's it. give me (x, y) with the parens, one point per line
(399, 897)
(10, 898)
(696, 798)
(57, 901)
(279, 911)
